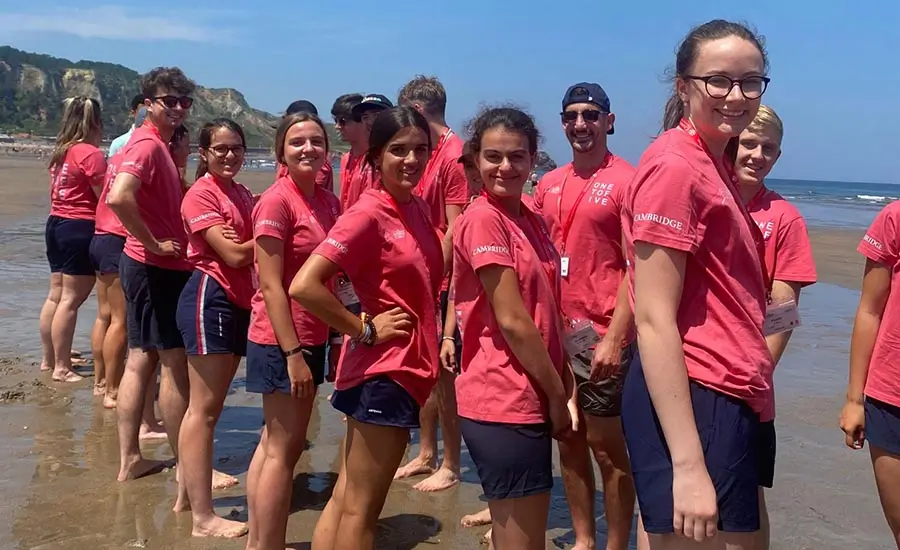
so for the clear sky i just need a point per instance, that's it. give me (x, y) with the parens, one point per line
(834, 68)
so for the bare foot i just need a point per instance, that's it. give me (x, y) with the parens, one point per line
(45, 367)
(182, 502)
(66, 375)
(100, 388)
(219, 527)
(486, 539)
(474, 520)
(415, 467)
(139, 468)
(109, 401)
(151, 433)
(442, 479)
(223, 481)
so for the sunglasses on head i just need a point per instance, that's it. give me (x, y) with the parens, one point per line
(589, 115)
(170, 101)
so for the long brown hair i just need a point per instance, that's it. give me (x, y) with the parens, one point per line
(81, 123)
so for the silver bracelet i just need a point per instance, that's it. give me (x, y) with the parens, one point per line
(452, 339)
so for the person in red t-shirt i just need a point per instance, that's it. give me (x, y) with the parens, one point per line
(325, 177)
(516, 388)
(357, 175)
(213, 311)
(443, 186)
(872, 408)
(77, 168)
(694, 392)
(789, 265)
(388, 248)
(286, 350)
(146, 196)
(581, 203)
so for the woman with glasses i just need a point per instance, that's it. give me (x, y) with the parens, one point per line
(213, 311)
(694, 392)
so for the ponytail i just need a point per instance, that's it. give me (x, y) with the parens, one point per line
(674, 112)
(202, 168)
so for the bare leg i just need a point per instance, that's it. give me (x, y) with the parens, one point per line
(115, 340)
(98, 335)
(520, 523)
(151, 428)
(173, 402)
(75, 290)
(47, 313)
(607, 441)
(578, 481)
(887, 478)
(763, 535)
(138, 370)
(447, 475)
(426, 461)
(256, 465)
(326, 527)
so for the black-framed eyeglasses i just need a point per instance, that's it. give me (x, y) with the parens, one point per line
(221, 151)
(589, 115)
(718, 86)
(170, 101)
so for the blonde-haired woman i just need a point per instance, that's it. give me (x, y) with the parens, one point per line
(77, 169)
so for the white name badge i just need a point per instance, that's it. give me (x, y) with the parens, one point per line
(564, 266)
(581, 337)
(345, 293)
(781, 318)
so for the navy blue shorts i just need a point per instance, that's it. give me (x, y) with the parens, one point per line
(208, 321)
(68, 245)
(267, 367)
(883, 425)
(728, 430)
(765, 454)
(105, 251)
(152, 294)
(379, 401)
(513, 460)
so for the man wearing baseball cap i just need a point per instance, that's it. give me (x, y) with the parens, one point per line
(325, 177)
(355, 171)
(581, 203)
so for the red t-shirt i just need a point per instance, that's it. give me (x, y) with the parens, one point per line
(444, 180)
(391, 262)
(107, 222)
(71, 184)
(679, 200)
(324, 177)
(206, 204)
(493, 386)
(594, 240)
(146, 157)
(301, 223)
(356, 177)
(880, 244)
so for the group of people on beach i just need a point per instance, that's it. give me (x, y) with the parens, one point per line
(633, 314)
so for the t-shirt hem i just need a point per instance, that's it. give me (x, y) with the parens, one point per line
(667, 242)
(758, 405)
(803, 279)
(874, 255)
(892, 400)
(502, 418)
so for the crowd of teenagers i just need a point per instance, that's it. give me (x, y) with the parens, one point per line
(634, 314)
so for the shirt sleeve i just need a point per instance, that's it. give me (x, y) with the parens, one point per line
(201, 210)
(879, 242)
(94, 167)
(271, 217)
(665, 204)
(794, 260)
(353, 240)
(484, 240)
(456, 186)
(137, 160)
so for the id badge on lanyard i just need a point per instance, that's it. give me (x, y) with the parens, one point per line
(345, 293)
(580, 337)
(781, 318)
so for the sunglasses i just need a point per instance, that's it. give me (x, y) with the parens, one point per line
(590, 115)
(170, 101)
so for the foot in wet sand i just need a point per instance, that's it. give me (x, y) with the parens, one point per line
(140, 468)
(219, 527)
(415, 467)
(150, 433)
(474, 520)
(182, 502)
(100, 389)
(66, 375)
(109, 401)
(486, 539)
(444, 478)
(223, 481)
(45, 367)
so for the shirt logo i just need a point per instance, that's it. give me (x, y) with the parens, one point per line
(273, 223)
(486, 249)
(395, 235)
(658, 219)
(767, 228)
(201, 217)
(336, 244)
(873, 242)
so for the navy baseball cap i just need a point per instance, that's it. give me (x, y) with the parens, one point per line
(587, 92)
(301, 106)
(371, 102)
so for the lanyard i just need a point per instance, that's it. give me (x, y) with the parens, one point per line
(309, 206)
(567, 224)
(730, 182)
(429, 168)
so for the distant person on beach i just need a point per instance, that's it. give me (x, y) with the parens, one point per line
(146, 196)
(180, 150)
(387, 246)
(581, 203)
(789, 265)
(286, 355)
(357, 175)
(325, 177)
(77, 169)
(872, 410)
(695, 390)
(137, 113)
(443, 187)
(213, 311)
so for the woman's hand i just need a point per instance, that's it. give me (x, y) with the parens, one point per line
(302, 385)
(391, 324)
(853, 424)
(448, 355)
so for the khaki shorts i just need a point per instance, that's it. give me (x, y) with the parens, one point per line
(603, 398)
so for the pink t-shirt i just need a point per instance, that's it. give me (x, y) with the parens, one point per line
(881, 244)
(356, 177)
(391, 262)
(679, 200)
(71, 184)
(206, 204)
(325, 176)
(493, 386)
(146, 157)
(444, 180)
(594, 241)
(107, 223)
(301, 223)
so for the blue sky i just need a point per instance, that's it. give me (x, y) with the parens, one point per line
(834, 68)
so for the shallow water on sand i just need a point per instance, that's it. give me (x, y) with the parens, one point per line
(58, 457)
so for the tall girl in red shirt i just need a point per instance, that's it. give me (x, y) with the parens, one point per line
(387, 246)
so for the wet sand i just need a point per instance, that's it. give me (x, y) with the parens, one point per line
(58, 459)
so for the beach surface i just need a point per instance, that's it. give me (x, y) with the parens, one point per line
(58, 457)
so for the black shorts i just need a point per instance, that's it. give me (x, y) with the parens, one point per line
(380, 401)
(883, 425)
(267, 367)
(208, 321)
(603, 398)
(68, 245)
(728, 430)
(152, 295)
(105, 252)
(765, 454)
(513, 460)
